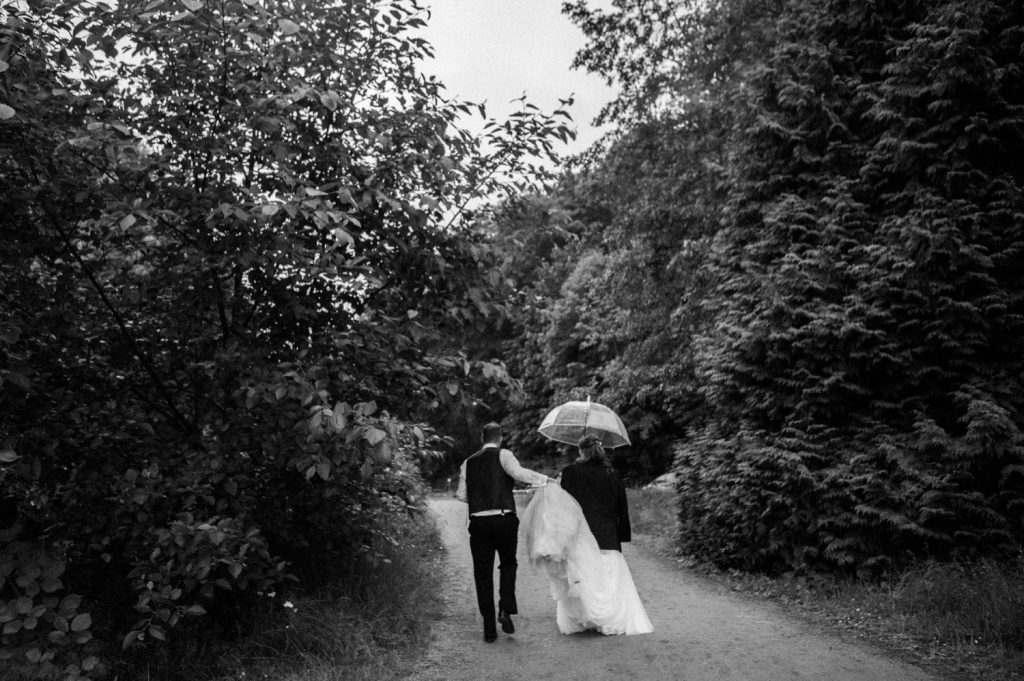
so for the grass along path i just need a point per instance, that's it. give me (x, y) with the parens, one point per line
(965, 622)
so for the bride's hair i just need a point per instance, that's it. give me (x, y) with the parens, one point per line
(591, 449)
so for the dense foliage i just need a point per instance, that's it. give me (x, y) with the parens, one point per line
(244, 298)
(864, 373)
(614, 306)
(235, 272)
(799, 257)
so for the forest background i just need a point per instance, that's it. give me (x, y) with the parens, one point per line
(251, 299)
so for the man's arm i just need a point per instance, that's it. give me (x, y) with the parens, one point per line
(460, 491)
(524, 475)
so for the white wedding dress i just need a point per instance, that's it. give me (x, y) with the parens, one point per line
(593, 588)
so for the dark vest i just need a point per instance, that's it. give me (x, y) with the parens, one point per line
(488, 486)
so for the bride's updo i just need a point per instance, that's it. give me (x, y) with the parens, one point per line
(592, 450)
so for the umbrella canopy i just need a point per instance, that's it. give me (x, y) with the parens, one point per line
(572, 420)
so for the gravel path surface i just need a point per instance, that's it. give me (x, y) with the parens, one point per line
(700, 633)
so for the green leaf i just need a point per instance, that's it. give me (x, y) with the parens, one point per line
(8, 456)
(54, 568)
(51, 584)
(343, 237)
(81, 622)
(323, 469)
(6, 112)
(69, 604)
(288, 27)
(339, 420)
(19, 380)
(130, 638)
(374, 435)
(330, 100)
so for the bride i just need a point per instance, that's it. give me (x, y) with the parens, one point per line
(573, 532)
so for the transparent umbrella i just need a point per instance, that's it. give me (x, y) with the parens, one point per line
(569, 422)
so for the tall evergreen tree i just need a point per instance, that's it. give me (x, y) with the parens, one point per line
(646, 202)
(865, 371)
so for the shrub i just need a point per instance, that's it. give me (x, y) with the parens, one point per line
(228, 306)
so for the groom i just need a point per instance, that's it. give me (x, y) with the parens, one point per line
(485, 483)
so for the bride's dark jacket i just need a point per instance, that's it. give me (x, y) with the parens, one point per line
(602, 496)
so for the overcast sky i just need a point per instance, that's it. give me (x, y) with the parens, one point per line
(497, 50)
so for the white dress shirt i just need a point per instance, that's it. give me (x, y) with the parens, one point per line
(510, 464)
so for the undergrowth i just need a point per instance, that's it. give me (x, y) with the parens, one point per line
(366, 626)
(966, 620)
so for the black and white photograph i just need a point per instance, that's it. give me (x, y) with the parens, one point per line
(511, 340)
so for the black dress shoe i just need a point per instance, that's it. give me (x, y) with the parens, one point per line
(490, 638)
(506, 622)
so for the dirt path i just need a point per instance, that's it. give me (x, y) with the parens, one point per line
(699, 633)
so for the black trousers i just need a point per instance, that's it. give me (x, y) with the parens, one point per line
(489, 534)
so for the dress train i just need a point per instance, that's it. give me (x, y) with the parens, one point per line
(593, 589)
